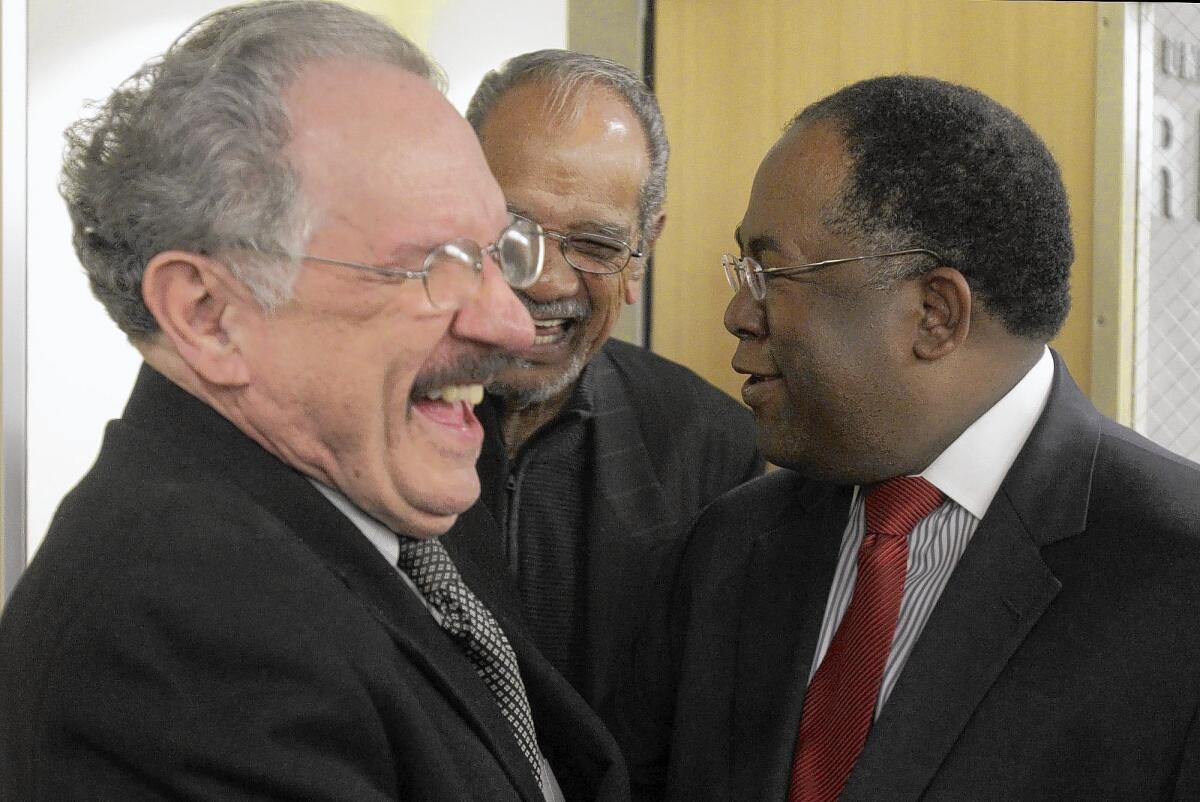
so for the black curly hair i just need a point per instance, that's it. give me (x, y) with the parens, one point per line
(941, 166)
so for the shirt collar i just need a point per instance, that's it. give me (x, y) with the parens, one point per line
(382, 538)
(971, 469)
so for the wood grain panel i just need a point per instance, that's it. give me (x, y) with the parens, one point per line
(731, 74)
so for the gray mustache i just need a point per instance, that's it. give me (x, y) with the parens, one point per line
(475, 369)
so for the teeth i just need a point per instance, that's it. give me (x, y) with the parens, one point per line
(452, 393)
(546, 324)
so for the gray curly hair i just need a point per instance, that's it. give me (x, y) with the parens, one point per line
(187, 152)
(566, 71)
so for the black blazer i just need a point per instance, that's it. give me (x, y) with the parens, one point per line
(202, 623)
(666, 443)
(1061, 663)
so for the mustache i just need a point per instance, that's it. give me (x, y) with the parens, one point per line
(570, 308)
(475, 368)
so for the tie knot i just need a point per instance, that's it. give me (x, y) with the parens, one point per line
(427, 564)
(894, 507)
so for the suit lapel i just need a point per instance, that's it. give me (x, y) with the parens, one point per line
(573, 740)
(350, 555)
(626, 507)
(292, 500)
(995, 596)
(569, 734)
(786, 583)
(997, 593)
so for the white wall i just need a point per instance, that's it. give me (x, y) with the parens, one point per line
(80, 368)
(470, 37)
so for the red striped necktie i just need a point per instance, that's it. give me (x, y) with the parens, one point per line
(839, 706)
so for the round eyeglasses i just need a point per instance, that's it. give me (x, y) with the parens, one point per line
(745, 270)
(451, 272)
(591, 253)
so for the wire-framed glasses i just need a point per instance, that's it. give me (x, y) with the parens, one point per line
(451, 271)
(591, 253)
(745, 270)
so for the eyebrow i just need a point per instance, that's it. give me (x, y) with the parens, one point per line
(604, 229)
(761, 244)
(612, 230)
(757, 245)
(407, 256)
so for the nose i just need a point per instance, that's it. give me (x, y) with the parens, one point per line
(558, 280)
(494, 316)
(745, 318)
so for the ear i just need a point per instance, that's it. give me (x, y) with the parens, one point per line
(946, 313)
(656, 229)
(633, 281)
(195, 299)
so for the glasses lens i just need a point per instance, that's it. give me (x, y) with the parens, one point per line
(755, 280)
(731, 271)
(595, 254)
(452, 273)
(519, 251)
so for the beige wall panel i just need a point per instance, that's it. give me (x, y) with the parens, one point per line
(730, 75)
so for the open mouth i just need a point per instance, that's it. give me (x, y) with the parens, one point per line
(451, 405)
(552, 331)
(450, 393)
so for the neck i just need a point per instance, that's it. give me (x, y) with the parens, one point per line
(166, 360)
(519, 424)
(992, 375)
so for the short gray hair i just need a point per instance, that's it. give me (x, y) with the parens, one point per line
(566, 71)
(187, 152)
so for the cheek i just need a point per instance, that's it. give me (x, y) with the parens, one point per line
(821, 376)
(605, 295)
(372, 365)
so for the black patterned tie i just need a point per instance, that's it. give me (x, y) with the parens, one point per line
(476, 632)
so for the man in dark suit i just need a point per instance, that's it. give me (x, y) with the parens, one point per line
(966, 584)
(246, 597)
(597, 454)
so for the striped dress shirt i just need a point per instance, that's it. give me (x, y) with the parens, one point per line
(969, 472)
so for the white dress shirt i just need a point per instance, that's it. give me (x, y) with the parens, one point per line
(969, 473)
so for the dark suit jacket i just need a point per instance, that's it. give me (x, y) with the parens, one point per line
(1061, 663)
(201, 623)
(666, 443)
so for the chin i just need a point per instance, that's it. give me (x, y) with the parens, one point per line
(428, 505)
(428, 527)
(456, 494)
(537, 385)
(799, 460)
(435, 520)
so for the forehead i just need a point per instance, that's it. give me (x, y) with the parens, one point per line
(797, 186)
(376, 143)
(590, 162)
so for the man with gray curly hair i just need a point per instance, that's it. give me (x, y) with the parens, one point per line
(247, 597)
(597, 453)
